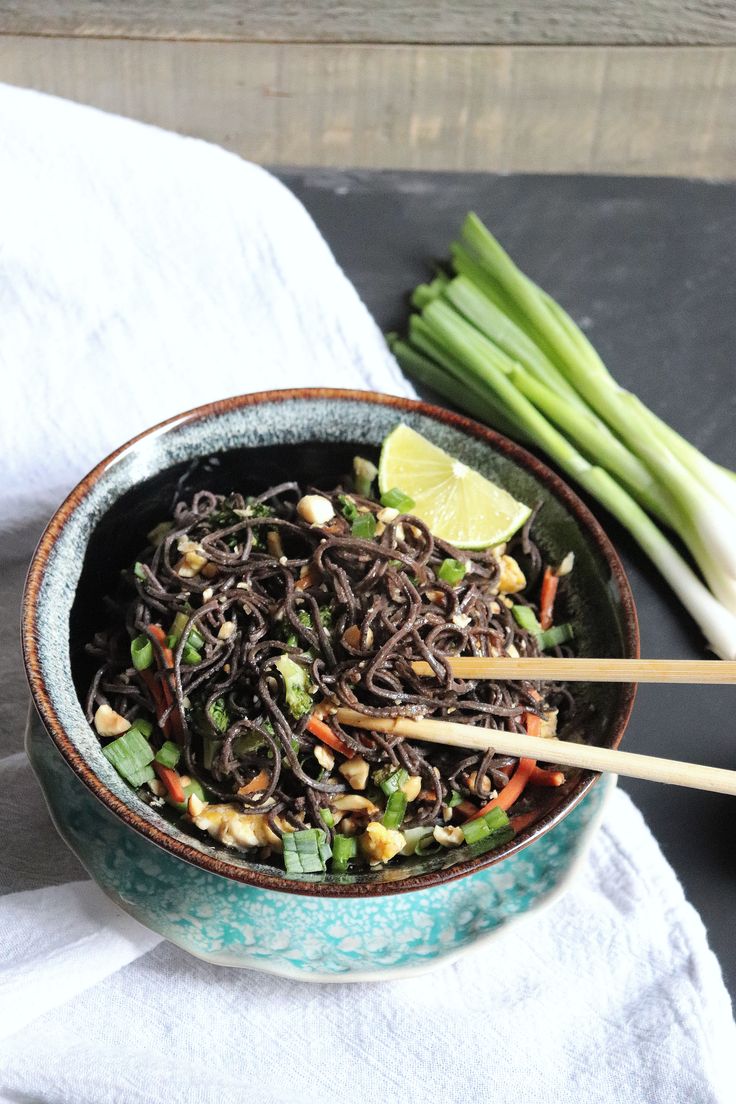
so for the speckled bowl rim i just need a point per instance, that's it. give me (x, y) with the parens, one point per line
(32, 631)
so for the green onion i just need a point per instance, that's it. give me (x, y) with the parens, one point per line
(143, 726)
(131, 755)
(141, 652)
(526, 618)
(177, 628)
(168, 754)
(452, 571)
(364, 472)
(364, 527)
(295, 686)
(454, 799)
(210, 748)
(415, 840)
(139, 572)
(158, 532)
(193, 787)
(397, 500)
(190, 655)
(495, 344)
(327, 817)
(395, 809)
(344, 848)
(306, 851)
(348, 507)
(392, 782)
(494, 827)
(558, 634)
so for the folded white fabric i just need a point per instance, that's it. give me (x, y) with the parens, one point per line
(140, 274)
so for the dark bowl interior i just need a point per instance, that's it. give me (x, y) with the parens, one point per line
(318, 450)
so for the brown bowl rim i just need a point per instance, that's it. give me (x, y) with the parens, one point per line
(262, 879)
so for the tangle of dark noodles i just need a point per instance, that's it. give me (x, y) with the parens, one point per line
(255, 614)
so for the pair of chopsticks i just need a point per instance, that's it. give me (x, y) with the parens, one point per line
(585, 756)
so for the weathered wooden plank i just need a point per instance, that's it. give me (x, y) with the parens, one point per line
(504, 108)
(543, 22)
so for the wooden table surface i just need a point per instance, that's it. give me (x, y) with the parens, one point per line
(646, 267)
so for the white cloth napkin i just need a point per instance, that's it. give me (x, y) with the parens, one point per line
(140, 274)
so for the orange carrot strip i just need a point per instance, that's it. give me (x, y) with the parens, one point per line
(171, 781)
(511, 793)
(173, 724)
(540, 777)
(550, 582)
(517, 783)
(324, 733)
(260, 782)
(523, 820)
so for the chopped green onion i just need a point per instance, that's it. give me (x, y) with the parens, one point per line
(193, 787)
(348, 507)
(393, 782)
(327, 817)
(494, 827)
(306, 851)
(139, 572)
(169, 754)
(364, 472)
(452, 571)
(131, 755)
(344, 848)
(295, 686)
(141, 652)
(454, 799)
(395, 809)
(415, 840)
(179, 624)
(219, 715)
(364, 527)
(395, 499)
(143, 726)
(190, 655)
(159, 531)
(526, 617)
(210, 748)
(550, 638)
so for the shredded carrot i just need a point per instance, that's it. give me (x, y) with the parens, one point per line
(260, 782)
(550, 582)
(540, 777)
(510, 793)
(517, 783)
(523, 820)
(161, 689)
(533, 724)
(324, 733)
(171, 781)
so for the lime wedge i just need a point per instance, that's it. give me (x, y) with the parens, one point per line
(457, 503)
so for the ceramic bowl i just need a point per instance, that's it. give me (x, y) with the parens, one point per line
(212, 901)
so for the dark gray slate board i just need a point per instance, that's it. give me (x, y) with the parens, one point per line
(647, 267)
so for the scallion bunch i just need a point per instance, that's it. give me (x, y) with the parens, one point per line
(496, 345)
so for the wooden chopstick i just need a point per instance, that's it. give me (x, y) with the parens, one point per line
(590, 670)
(586, 756)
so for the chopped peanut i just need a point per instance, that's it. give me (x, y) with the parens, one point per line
(354, 803)
(315, 509)
(235, 829)
(109, 723)
(379, 844)
(324, 757)
(412, 787)
(227, 628)
(512, 578)
(355, 771)
(449, 837)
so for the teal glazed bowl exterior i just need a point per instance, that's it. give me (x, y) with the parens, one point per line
(215, 902)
